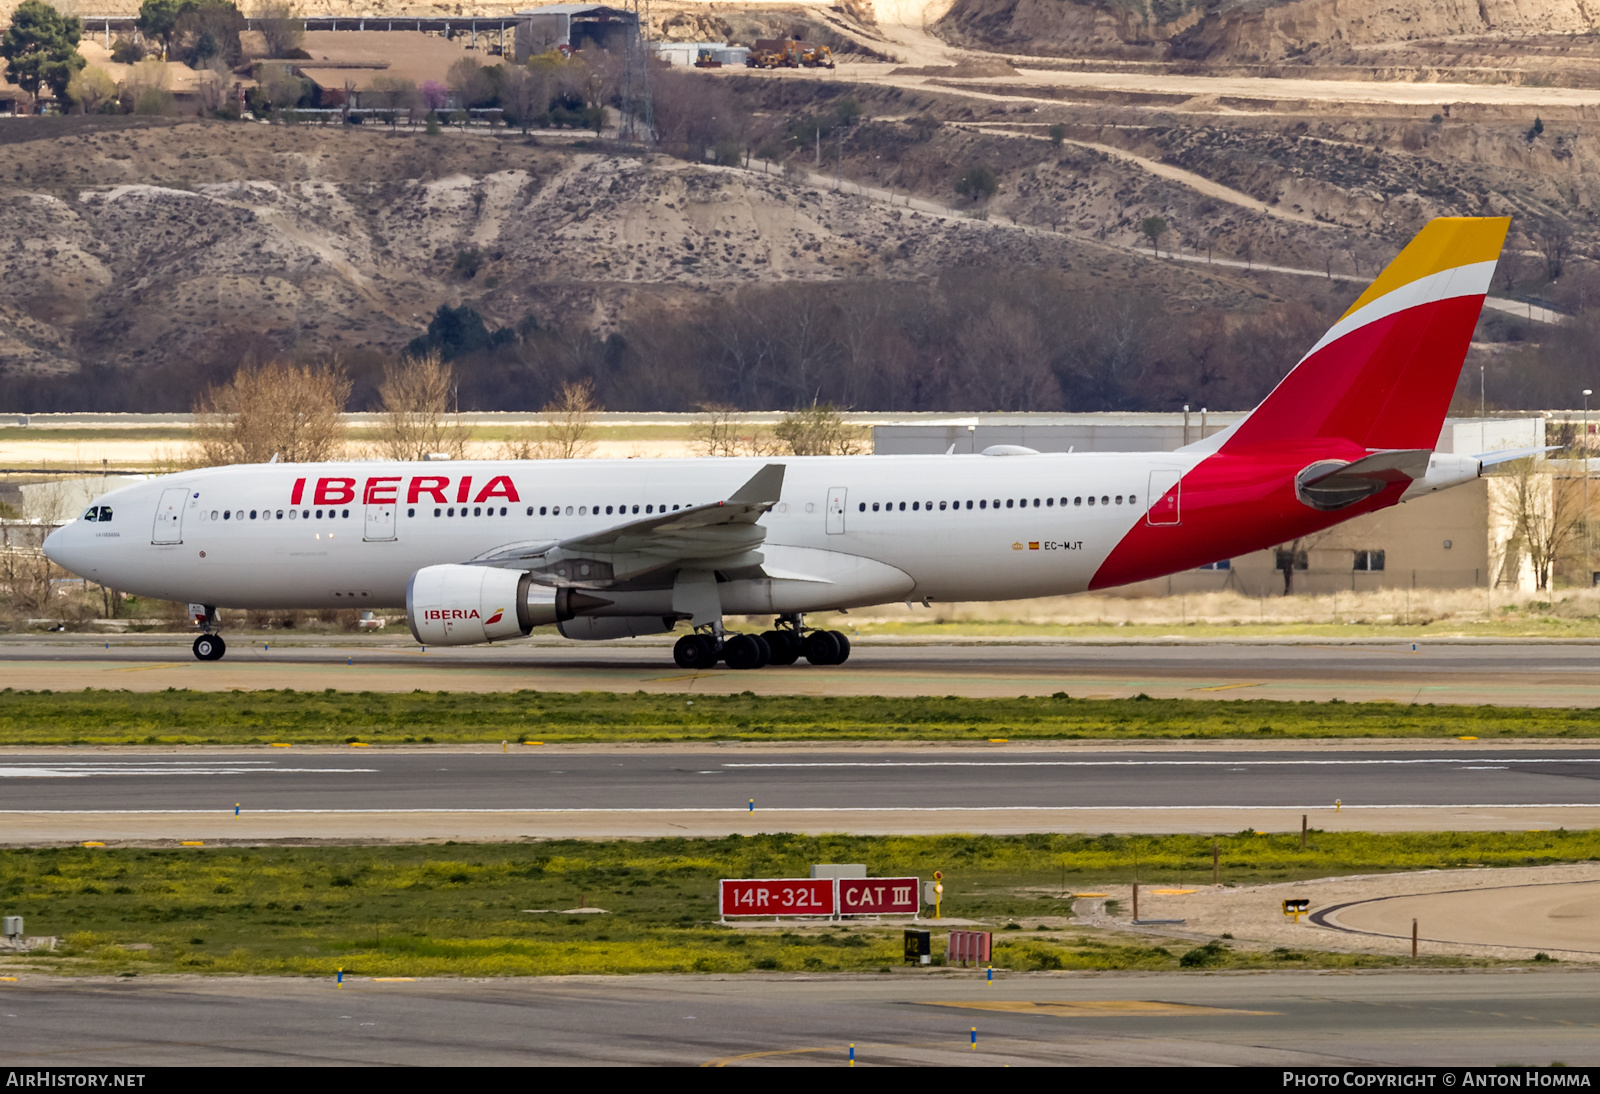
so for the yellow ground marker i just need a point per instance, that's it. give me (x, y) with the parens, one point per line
(92, 843)
(359, 744)
(1088, 896)
(8, 979)
(276, 744)
(192, 843)
(999, 740)
(533, 742)
(394, 979)
(1173, 892)
(1466, 738)
(1097, 1008)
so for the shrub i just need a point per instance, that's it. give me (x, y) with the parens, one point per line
(978, 183)
(1204, 957)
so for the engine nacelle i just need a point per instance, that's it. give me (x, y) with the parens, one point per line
(590, 628)
(462, 605)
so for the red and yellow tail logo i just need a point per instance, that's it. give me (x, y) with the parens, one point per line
(1383, 375)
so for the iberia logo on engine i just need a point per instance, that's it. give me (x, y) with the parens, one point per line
(436, 614)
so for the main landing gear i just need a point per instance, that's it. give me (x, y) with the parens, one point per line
(786, 643)
(209, 646)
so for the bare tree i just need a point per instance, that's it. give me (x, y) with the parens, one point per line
(819, 430)
(1544, 513)
(718, 433)
(288, 412)
(1553, 237)
(416, 410)
(567, 432)
(281, 26)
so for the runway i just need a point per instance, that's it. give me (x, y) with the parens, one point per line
(1519, 673)
(151, 794)
(1467, 1018)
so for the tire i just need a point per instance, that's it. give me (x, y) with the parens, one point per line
(210, 647)
(844, 646)
(694, 651)
(766, 650)
(821, 648)
(743, 651)
(785, 646)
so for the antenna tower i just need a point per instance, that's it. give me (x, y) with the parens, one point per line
(638, 108)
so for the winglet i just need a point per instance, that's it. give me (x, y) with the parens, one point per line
(763, 488)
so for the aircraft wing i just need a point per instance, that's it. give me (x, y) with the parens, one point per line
(720, 535)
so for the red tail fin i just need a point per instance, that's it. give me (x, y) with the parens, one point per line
(1383, 375)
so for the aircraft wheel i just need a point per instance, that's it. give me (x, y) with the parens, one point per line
(785, 646)
(694, 651)
(844, 646)
(821, 648)
(210, 647)
(744, 651)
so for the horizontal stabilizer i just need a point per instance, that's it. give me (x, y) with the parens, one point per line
(1330, 485)
(1506, 455)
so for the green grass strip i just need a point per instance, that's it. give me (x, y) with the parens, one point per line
(461, 909)
(332, 717)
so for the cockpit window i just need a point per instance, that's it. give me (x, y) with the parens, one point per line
(98, 513)
(105, 514)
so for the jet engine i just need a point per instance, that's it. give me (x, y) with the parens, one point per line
(454, 605)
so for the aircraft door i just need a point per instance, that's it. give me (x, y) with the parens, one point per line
(1165, 492)
(380, 522)
(836, 502)
(169, 516)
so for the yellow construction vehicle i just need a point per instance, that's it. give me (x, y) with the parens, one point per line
(814, 56)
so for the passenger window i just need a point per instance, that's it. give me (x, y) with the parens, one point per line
(941, 506)
(280, 515)
(569, 510)
(1077, 501)
(213, 514)
(902, 507)
(252, 514)
(1132, 500)
(863, 507)
(914, 506)
(1104, 500)
(874, 507)
(1091, 499)
(1119, 499)
(1050, 502)
(436, 512)
(969, 505)
(227, 514)
(983, 504)
(927, 505)
(411, 512)
(345, 514)
(294, 514)
(1009, 503)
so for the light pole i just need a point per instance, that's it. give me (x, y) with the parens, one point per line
(1588, 540)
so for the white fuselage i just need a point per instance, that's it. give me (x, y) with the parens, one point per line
(353, 534)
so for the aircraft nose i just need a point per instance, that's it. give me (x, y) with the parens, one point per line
(59, 547)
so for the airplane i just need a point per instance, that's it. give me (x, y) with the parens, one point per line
(486, 550)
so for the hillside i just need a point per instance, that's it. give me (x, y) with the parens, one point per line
(1246, 30)
(147, 245)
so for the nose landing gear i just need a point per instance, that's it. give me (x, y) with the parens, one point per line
(209, 646)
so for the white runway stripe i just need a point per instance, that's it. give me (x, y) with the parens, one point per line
(87, 770)
(740, 809)
(1461, 760)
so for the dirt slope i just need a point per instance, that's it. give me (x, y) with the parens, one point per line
(158, 244)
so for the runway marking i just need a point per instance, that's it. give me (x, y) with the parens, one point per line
(1099, 1008)
(740, 810)
(89, 769)
(1231, 687)
(1463, 761)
